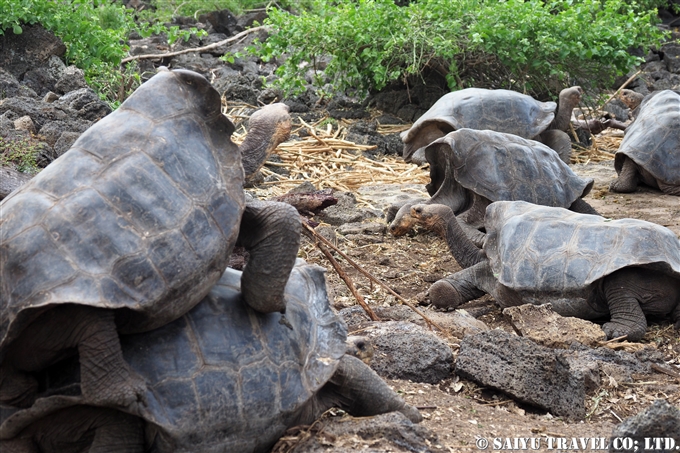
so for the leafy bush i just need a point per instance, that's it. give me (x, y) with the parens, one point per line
(168, 9)
(94, 32)
(532, 46)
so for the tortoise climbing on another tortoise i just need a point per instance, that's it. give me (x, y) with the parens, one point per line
(498, 110)
(127, 231)
(650, 150)
(586, 266)
(221, 378)
(470, 169)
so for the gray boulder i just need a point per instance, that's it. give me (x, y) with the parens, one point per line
(655, 429)
(10, 86)
(404, 350)
(29, 50)
(72, 78)
(526, 371)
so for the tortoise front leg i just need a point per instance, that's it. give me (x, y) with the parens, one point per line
(357, 389)
(623, 299)
(270, 231)
(628, 179)
(469, 284)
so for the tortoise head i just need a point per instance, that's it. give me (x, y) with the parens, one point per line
(403, 223)
(631, 98)
(361, 348)
(570, 97)
(267, 128)
(433, 217)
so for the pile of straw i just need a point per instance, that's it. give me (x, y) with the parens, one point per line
(325, 159)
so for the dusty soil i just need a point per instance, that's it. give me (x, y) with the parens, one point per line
(458, 411)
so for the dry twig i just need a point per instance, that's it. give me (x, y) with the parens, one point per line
(196, 49)
(373, 278)
(625, 84)
(343, 275)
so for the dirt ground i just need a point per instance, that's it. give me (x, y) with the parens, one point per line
(460, 412)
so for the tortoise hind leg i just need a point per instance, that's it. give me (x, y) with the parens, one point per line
(357, 389)
(106, 379)
(80, 429)
(628, 179)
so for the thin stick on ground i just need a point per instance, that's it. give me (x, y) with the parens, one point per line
(660, 369)
(196, 49)
(370, 276)
(345, 278)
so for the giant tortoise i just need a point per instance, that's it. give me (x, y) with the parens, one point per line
(650, 150)
(586, 266)
(220, 378)
(498, 110)
(471, 168)
(127, 231)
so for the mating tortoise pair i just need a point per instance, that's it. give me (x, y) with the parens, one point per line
(128, 231)
(223, 377)
(585, 265)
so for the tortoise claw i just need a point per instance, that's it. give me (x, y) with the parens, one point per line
(615, 329)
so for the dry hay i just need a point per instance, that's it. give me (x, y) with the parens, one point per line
(603, 148)
(325, 159)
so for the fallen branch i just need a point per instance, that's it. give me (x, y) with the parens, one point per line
(343, 275)
(614, 340)
(196, 49)
(660, 369)
(370, 276)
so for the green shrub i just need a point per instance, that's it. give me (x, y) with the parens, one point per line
(532, 46)
(94, 31)
(167, 9)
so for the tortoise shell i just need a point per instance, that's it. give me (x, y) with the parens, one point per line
(478, 108)
(500, 166)
(140, 215)
(540, 248)
(653, 139)
(223, 377)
